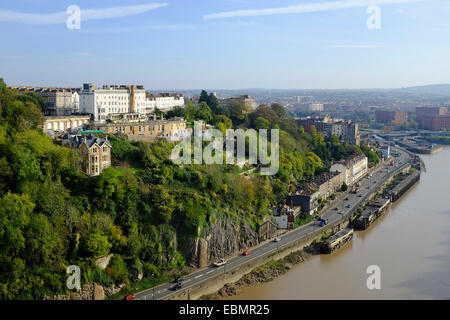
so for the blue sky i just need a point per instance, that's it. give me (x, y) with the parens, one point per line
(189, 44)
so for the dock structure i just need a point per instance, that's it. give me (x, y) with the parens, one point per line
(404, 185)
(336, 241)
(371, 212)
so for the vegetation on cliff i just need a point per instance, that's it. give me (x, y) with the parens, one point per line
(52, 215)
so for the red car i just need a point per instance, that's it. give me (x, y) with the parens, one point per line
(246, 253)
(337, 208)
(130, 297)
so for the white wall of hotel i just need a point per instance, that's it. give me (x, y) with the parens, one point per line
(352, 173)
(103, 102)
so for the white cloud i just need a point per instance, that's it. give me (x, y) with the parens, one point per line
(169, 27)
(304, 8)
(352, 46)
(86, 14)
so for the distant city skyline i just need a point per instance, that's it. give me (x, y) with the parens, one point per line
(226, 44)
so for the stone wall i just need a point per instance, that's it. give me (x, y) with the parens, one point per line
(88, 292)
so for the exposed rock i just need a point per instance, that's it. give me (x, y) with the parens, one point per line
(220, 240)
(99, 294)
(103, 261)
(109, 291)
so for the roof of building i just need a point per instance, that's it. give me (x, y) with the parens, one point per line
(90, 140)
(352, 160)
(324, 177)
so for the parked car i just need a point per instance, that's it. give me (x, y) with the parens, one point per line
(277, 239)
(337, 208)
(348, 206)
(246, 253)
(129, 297)
(341, 212)
(346, 199)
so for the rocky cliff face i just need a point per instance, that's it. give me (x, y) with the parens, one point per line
(222, 239)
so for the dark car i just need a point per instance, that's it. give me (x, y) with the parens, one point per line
(178, 286)
(178, 280)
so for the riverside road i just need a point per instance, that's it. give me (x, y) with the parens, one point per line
(368, 186)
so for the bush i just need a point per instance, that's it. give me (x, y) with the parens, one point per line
(117, 269)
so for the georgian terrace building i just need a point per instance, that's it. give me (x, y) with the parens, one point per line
(108, 101)
(352, 168)
(172, 129)
(65, 123)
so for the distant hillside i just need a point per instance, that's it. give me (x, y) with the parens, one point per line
(440, 89)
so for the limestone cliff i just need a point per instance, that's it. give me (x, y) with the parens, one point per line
(220, 240)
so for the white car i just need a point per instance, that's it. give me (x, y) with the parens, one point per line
(277, 239)
(220, 263)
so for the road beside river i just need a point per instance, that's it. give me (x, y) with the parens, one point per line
(410, 243)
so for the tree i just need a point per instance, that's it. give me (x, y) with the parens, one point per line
(15, 213)
(280, 111)
(96, 244)
(262, 123)
(237, 110)
(344, 187)
(204, 113)
(213, 102)
(189, 111)
(203, 97)
(266, 112)
(222, 110)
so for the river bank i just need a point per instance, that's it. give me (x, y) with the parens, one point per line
(324, 244)
(265, 273)
(410, 243)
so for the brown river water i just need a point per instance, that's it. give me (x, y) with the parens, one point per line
(410, 243)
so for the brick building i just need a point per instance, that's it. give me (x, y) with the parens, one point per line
(386, 116)
(433, 118)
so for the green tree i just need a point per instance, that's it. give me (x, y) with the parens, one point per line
(204, 113)
(262, 123)
(96, 244)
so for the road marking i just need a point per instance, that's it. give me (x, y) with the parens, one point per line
(210, 272)
(198, 276)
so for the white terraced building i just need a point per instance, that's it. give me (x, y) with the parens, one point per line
(352, 168)
(121, 100)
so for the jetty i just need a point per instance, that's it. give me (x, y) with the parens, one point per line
(336, 241)
(371, 213)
